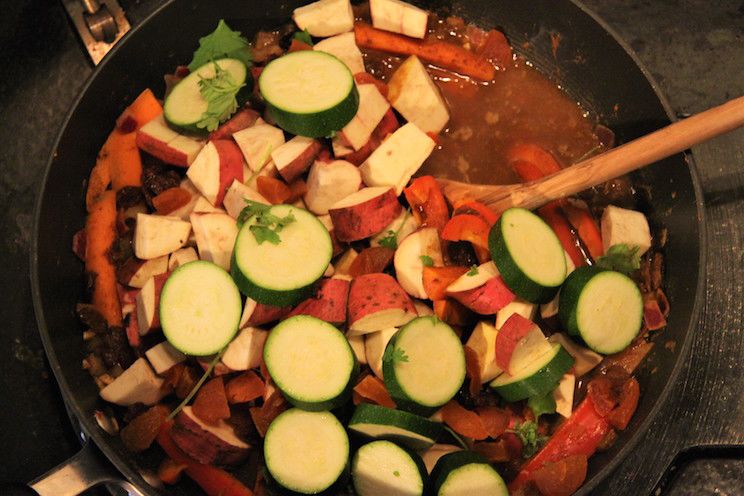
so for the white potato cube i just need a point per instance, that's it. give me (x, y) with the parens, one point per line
(257, 142)
(399, 17)
(325, 17)
(344, 48)
(623, 226)
(413, 93)
(137, 384)
(157, 235)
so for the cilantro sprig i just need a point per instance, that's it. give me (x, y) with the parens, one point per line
(267, 226)
(220, 92)
(427, 261)
(221, 43)
(303, 36)
(394, 355)
(532, 441)
(621, 258)
(390, 240)
(473, 271)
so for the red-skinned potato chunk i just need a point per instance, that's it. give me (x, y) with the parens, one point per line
(364, 213)
(377, 302)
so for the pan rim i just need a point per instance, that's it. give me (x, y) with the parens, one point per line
(129, 471)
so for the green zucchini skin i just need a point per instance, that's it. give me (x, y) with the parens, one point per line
(267, 296)
(453, 461)
(569, 299)
(540, 382)
(379, 415)
(415, 458)
(513, 276)
(323, 124)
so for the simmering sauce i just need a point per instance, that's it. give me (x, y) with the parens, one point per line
(519, 105)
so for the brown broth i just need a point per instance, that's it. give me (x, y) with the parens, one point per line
(519, 105)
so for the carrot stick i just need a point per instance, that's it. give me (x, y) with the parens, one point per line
(371, 388)
(100, 232)
(440, 53)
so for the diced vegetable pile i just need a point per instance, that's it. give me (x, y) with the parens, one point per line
(269, 273)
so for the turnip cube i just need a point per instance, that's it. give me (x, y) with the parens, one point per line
(137, 384)
(398, 17)
(181, 257)
(245, 351)
(395, 161)
(483, 342)
(257, 142)
(372, 108)
(163, 356)
(236, 196)
(156, 235)
(344, 48)
(215, 237)
(325, 17)
(413, 93)
(623, 226)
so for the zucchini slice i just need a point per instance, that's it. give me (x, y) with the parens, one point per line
(536, 377)
(284, 273)
(528, 254)
(311, 363)
(185, 105)
(382, 467)
(424, 365)
(306, 452)
(200, 308)
(309, 93)
(464, 473)
(602, 307)
(412, 431)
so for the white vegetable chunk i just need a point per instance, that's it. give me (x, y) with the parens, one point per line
(157, 235)
(398, 158)
(374, 347)
(399, 17)
(257, 142)
(483, 342)
(465, 282)
(204, 172)
(137, 384)
(147, 270)
(408, 262)
(182, 256)
(163, 356)
(325, 17)
(357, 346)
(328, 183)
(413, 93)
(371, 110)
(245, 351)
(215, 237)
(564, 395)
(402, 226)
(236, 195)
(623, 226)
(584, 359)
(344, 48)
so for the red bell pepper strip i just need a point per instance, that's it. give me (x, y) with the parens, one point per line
(427, 202)
(554, 217)
(579, 435)
(587, 229)
(476, 208)
(214, 481)
(467, 227)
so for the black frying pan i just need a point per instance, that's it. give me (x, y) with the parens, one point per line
(591, 63)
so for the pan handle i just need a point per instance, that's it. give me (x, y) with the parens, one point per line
(84, 470)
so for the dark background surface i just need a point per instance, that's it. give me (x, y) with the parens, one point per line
(695, 50)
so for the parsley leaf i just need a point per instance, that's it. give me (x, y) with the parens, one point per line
(473, 271)
(541, 405)
(394, 355)
(303, 36)
(389, 241)
(531, 440)
(220, 43)
(427, 261)
(267, 225)
(621, 258)
(220, 93)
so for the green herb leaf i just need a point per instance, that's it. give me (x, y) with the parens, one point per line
(541, 405)
(390, 240)
(427, 261)
(473, 271)
(532, 441)
(621, 258)
(198, 384)
(220, 43)
(220, 92)
(267, 226)
(303, 36)
(394, 355)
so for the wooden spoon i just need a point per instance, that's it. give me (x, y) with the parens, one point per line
(633, 155)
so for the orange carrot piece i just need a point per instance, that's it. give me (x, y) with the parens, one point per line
(210, 404)
(463, 421)
(100, 230)
(144, 108)
(274, 190)
(99, 180)
(371, 388)
(495, 420)
(171, 199)
(245, 387)
(440, 53)
(436, 280)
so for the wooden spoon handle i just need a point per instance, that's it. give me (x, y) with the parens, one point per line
(633, 155)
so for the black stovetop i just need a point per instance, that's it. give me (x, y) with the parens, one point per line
(694, 48)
